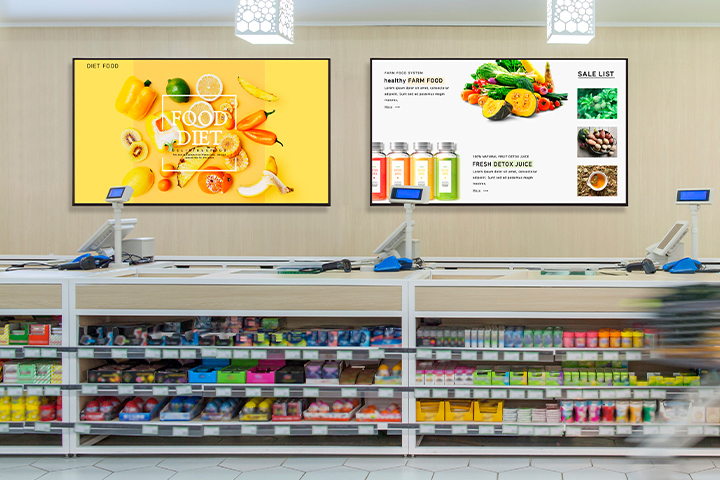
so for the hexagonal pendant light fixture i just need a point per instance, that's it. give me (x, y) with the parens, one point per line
(265, 21)
(570, 21)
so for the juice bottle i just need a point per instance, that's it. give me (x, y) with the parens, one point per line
(399, 165)
(379, 171)
(446, 172)
(422, 166)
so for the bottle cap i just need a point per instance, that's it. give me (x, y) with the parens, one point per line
(398, 146)
(422, 146)
(378, 146)
(446, 146)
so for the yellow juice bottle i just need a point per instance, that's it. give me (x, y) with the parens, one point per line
(422, 169)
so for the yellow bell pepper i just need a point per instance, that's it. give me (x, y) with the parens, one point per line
(135, 98)
(532, 71)
(163, 132)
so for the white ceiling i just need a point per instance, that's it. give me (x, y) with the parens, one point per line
(350, 12)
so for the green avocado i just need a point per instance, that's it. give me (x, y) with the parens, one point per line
(178, 89)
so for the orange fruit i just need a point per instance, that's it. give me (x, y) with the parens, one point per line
(204, 114)
(209, 87)
(167, 170)
(229, 145)
(164, 185)
(213, 180)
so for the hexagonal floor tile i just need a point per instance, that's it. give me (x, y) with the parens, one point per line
(400, 473)
(713, 474)
(22, 473)
(465, 473)
(311, 463)
(215, 473)
(657, 474)
(53, 463)
(149, 473)
(247, 464)
(624, 465)
(499, 464)
(375, 463)
(17, 461)
(437, 464)
(82, 473)
(334, 473)
(530, 472)
(275, 473)
(119, 464)
(685, 465)
(561, 464)
(190, 462)
(594, 473)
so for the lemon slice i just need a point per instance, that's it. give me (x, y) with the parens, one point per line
(209, 87)
(204, 114)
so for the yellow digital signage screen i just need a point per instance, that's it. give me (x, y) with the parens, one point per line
(202, 131)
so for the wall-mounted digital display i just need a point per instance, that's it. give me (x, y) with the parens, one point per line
(203, 131)
(501, 131)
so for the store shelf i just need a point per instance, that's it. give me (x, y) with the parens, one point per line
(244, 390)
(234, 428)
(565, 429)
(31, 351)
(259, 353)
(530, 354)
(51, 428)
(17, 389)
(524, 392)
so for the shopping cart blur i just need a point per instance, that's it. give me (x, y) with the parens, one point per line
(688, 336)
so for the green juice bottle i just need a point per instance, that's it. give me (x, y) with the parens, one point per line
(447, 164)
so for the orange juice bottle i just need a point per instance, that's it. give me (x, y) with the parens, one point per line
(399, 162)
(422, 168)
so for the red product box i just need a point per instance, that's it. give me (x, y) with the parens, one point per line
(264, 372)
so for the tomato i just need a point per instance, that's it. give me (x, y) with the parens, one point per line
(544, 104)
(213, 180)
(536, 87)
(552, 107)
(551, 89)
(557, 103)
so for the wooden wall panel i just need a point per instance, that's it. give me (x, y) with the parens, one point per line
(671, 145)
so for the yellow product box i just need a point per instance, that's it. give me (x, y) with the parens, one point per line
(430, 411)
(488, 411)
(459, 410)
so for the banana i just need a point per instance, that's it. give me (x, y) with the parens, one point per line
(256, 92)
(267, 180)
(271, 165)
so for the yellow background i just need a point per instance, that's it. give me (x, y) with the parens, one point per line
(300, 122)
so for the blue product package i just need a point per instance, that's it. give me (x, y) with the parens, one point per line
(311, 339)
(322, 338)
(344, 338)
(509, 337)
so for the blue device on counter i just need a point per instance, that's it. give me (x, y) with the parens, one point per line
(686, 265)
(392, 264)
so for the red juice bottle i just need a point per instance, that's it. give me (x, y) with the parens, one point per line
(379, 172)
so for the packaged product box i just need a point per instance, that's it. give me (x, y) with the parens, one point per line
(349, 375)
(236, 372)
(459, 410)
(390, 373)
(177, 373)
(367, 376)
(10, 371)
(111, 373)
(291, 373)
(488, 411)
(554, 377)
(182, 409)
(518, 378)
(39, 334)
(500, 377)
(142, 372)
(430, 410)
(19, 334)
(697, 414)
(144, 416)
(482, 377)
(257, 409)
(712, 414)
(207, 371)
(264, 372)
(536, 376)
(288, 409)
(221, 409)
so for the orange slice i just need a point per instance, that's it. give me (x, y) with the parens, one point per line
(239, 163)
(204, 114)
(229, 145)
(209, 87)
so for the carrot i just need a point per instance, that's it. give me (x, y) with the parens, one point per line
(262, 136)
(473, 99)
(465, 94)
(253, 120)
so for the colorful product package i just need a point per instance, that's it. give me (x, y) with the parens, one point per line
(621, 411)
(594, 411)
(636, 410)
(649, 411)
(581, 411)
(608, 411)
(567, 411)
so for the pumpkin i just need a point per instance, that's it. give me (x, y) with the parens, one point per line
(496, 109)
(524, 103)
(583, 135)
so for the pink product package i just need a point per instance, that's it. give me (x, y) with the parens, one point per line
(594, 411)
(581, 412)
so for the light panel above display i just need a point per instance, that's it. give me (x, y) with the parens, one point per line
(203, 131)
(501, 132)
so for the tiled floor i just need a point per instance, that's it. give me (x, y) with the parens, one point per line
(355, 468)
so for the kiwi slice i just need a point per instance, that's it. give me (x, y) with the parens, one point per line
(138, 151)
(128, 137)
